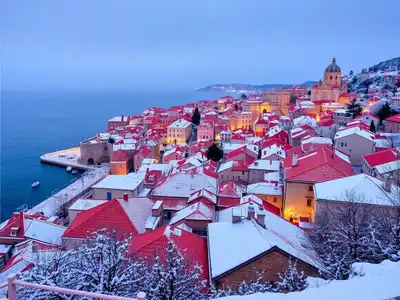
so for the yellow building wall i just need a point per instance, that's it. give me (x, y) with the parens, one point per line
(270, 199)
(295, 202)
(119, 168)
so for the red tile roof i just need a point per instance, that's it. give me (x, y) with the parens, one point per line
(318, 166)
(109, 215)
(236, 152)
(192, 247)
(119, 155)
(327, 123)
(17, 221)
(382, 157)
(395, 118)
(231, 189)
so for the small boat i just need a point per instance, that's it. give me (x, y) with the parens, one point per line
(35, 184)
(74, 171)
(69, 169)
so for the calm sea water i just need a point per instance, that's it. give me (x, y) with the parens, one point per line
(34, 123)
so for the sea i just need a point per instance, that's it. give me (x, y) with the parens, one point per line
(38, 122)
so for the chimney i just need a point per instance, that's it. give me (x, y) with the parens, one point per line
(34, 248)
(125, 196)
(261, 216)
(157, 209)
(250, 211)
(236, 214)
(294, 160)
(387, 183)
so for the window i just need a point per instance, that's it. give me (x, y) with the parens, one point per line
(310, 188)
(309, 202)
(331, 76)
(341, 144)
(274, 199)
(345, 144)
(243, 173)
(109, 195)
(200, 232)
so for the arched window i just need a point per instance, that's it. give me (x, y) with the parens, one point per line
(331, 76)
(335, 77)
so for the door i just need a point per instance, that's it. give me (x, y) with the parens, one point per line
(109, 196)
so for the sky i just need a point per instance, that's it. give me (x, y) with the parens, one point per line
(181, 44)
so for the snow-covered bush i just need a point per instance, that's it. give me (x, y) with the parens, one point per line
(291, 280)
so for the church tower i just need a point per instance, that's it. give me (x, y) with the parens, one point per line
(332, 74)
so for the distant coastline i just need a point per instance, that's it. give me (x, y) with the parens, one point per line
(248, 88)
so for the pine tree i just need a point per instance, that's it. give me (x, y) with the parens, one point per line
(291, 280)
(354, 107)
(196, 117)
(214, 152)
(372, 126)
(176, 279)
(384, 112)
(243, 96)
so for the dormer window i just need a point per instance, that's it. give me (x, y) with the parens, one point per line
(14, 231)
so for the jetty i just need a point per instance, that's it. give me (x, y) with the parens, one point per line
(80, 187)
(65, 158)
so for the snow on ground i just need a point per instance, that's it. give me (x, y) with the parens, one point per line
(372, 282)
(50, 206)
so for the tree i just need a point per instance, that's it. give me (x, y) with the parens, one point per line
(384, 112)
(100, 264)
(291, 280)
(196, 117)
(351, 73)
(243, 96)
(236, 107)
(293, 99)
(176, 279)
(214, 152)
(372, 126)
(354, 107)
(111, 140)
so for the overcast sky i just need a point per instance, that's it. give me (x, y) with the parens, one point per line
(188, 44)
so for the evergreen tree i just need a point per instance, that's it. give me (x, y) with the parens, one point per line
(372, 126)
(214, 152)
(384, 112)
(354, 107)
(236, 107)
(111, 140)
(243, 96)
(258, 286)
(351, 73)
(176, 279)
(291, 280)
(196, 117)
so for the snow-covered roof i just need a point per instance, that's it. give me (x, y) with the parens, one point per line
(46, 232)
(364, 187)
(264, 188)
(355, 130)
(388, 167)
(197, 211)
(305, 120)
(181, 123)
(317, 140)
(263, 164)
(85, 204)
(273, 149)
(272, 176)
(246, 240)
(184, 183)
(119, 182)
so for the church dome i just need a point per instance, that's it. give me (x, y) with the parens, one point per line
(333, 67)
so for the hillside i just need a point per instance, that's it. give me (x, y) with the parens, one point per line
(244, 87)
(379, 77)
